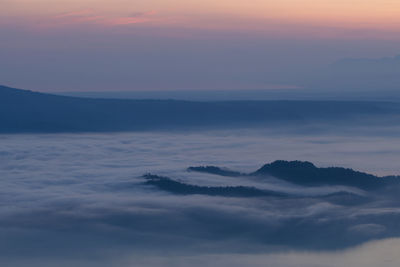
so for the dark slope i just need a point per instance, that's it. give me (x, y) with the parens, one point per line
(179, 188)
(176, 187)
(307, 174)
(26, 111)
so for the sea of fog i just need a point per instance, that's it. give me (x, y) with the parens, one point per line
(79, 200)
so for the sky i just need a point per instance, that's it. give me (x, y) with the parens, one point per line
(123, 45)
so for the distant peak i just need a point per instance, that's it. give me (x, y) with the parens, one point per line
(278, 164)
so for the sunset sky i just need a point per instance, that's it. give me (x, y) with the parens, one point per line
(246, 15)
(174, 44)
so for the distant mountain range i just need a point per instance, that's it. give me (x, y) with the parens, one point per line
(23, 111)
(362, 75)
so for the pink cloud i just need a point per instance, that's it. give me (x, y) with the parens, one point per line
(138, 17)
(126, 21)
(89, 16)
(143, 14)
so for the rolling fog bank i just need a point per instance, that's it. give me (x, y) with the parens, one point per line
(83, 197)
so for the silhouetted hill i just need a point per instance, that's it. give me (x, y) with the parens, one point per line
(306, 173)
(27, 111)
(177, 187)
(172, 186)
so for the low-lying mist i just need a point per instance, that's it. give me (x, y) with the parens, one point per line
(83, 197)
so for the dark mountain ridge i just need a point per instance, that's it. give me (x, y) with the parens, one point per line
(176, 187)
(307, 174)
(180, 188)
(23, 111)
